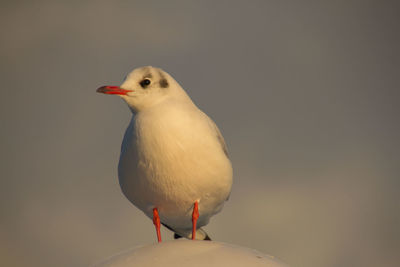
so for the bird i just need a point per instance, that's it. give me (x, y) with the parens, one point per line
(174, 164)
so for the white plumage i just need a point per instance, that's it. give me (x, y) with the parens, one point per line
(172, 154)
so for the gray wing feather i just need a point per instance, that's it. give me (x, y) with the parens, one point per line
(219, 136)
(221, 140)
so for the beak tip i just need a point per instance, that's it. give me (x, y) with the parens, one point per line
(101, 89)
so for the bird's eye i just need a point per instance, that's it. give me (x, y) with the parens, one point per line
(145, 83)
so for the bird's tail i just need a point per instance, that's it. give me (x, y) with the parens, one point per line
(200, 235)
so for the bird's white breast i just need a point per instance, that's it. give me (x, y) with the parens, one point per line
(171, 156)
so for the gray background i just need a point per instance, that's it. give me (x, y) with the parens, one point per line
(305, 93)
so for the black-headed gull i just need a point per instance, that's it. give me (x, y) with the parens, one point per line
(174, 164)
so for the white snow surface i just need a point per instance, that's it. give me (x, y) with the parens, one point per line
(191, 253)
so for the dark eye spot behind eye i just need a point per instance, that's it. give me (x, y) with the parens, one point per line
(144, 83)
(164, 83)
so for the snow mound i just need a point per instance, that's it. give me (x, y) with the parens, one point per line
(191, 253)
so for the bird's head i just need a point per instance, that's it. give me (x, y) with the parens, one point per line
(145, 87)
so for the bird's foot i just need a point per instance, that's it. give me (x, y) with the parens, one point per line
(156, 221)
(195, 216)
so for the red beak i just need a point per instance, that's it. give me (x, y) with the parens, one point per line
(112, 90)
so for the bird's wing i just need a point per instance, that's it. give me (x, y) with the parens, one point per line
(221, 140)
(128, 135)
(218, 135)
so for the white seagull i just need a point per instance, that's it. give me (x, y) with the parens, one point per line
(174, 164)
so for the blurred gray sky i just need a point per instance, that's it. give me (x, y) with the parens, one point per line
(306, 94)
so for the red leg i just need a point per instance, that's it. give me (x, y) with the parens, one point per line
(195, 216)
(156, 221)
